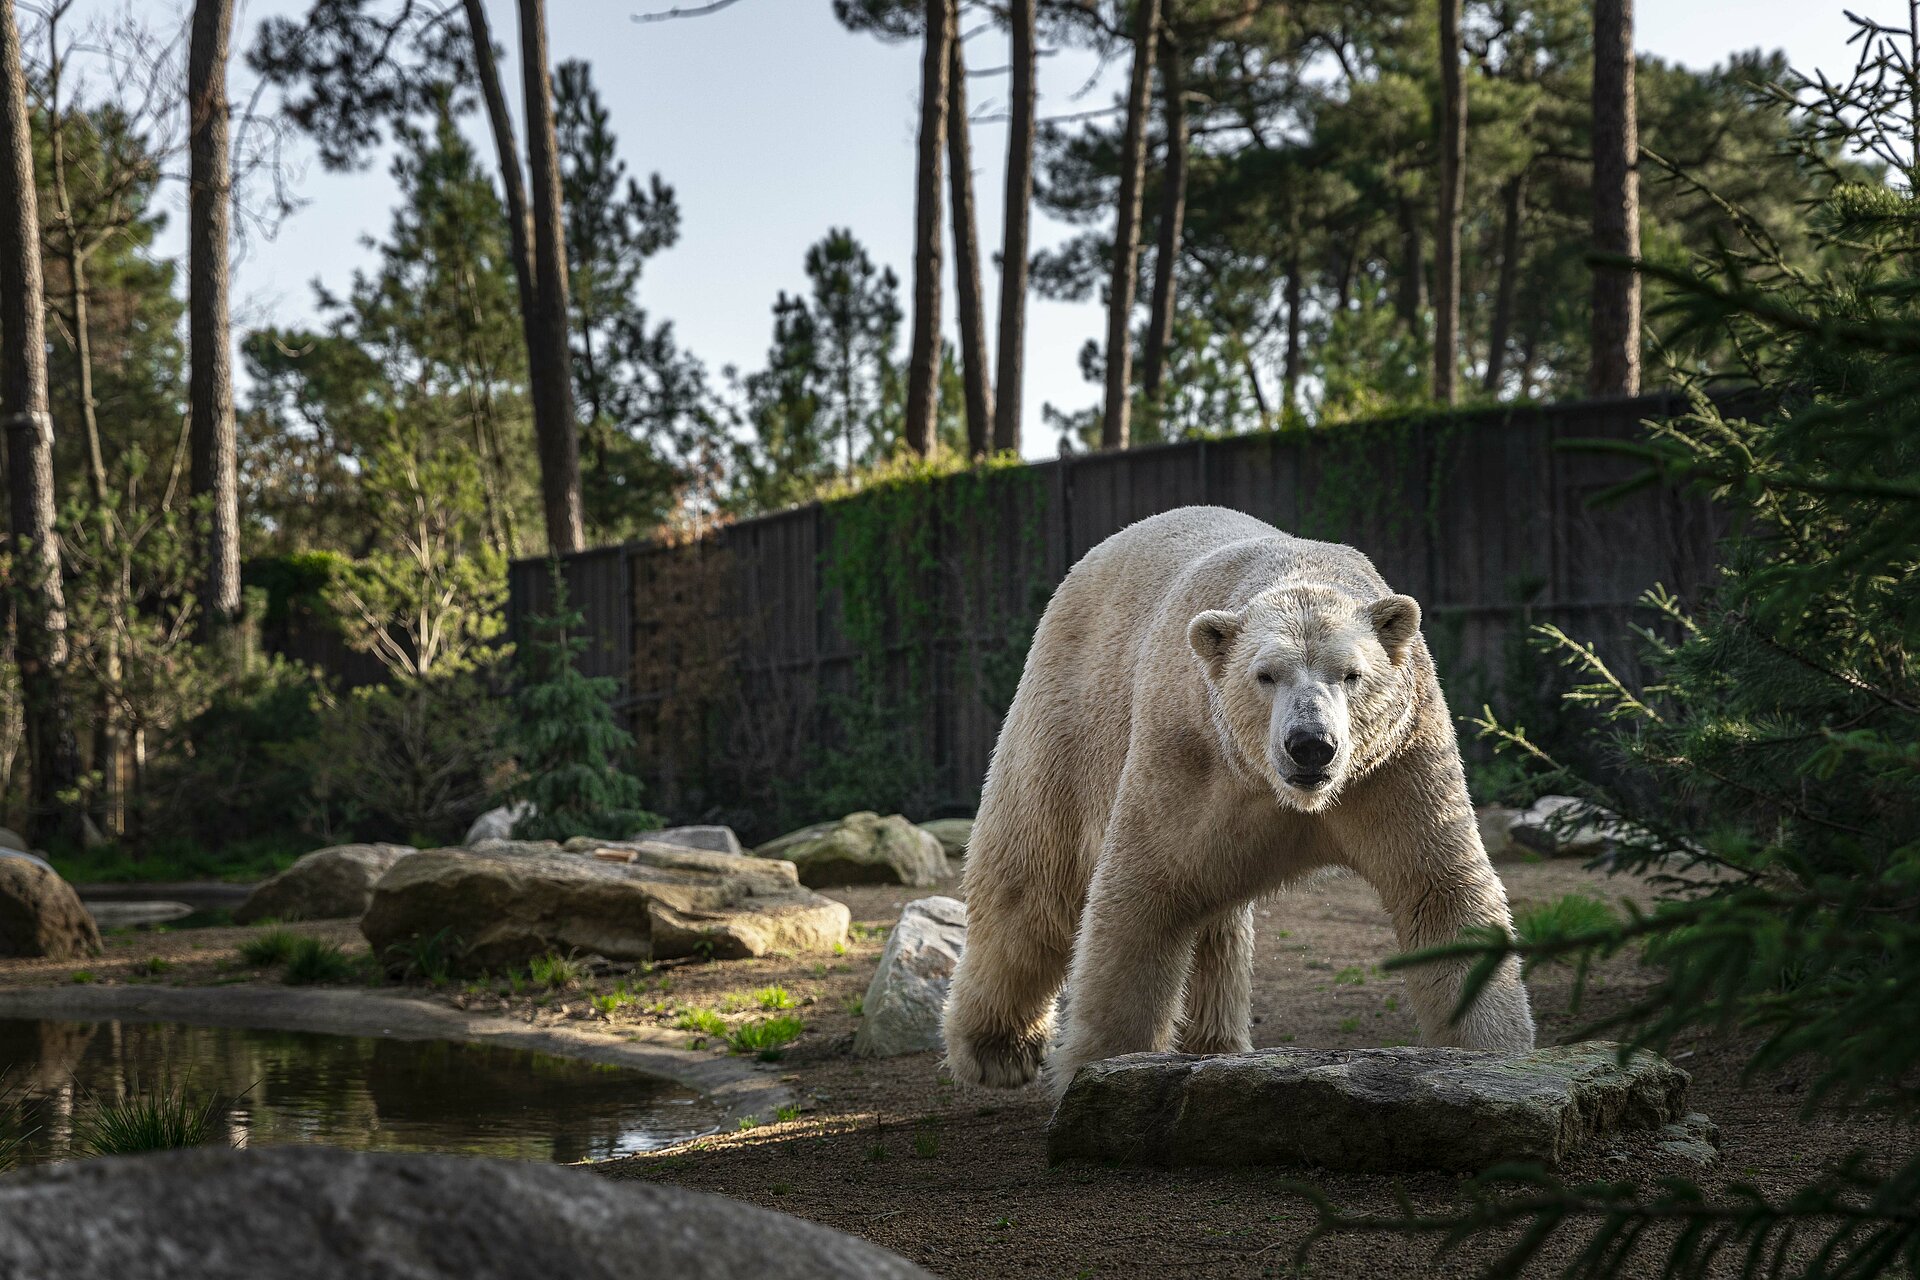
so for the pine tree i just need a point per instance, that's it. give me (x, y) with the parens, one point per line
(566, 738)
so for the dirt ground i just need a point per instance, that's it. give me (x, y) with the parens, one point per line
(957, 1179)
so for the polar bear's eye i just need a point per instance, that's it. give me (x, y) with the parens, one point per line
(1353, 677)
(1265, 677)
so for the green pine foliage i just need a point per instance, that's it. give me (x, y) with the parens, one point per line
(1771, 768)
(566, 739)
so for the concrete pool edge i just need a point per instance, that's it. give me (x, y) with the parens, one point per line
(740, 1088)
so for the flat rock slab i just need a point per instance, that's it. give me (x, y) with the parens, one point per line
(502, 903)
(298, 1212)
(1363, 1110)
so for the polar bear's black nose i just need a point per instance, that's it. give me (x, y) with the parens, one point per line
(1309, 751)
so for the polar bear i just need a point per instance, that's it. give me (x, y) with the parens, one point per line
(1211, 709)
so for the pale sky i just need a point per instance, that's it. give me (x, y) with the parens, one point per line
(773, 123)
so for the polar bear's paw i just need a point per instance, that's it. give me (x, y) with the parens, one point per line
(997, 1060)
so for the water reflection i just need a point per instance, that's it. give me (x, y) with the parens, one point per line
(364, 1093)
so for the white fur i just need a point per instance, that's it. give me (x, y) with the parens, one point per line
(1143, 794)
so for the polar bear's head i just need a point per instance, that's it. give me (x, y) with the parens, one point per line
(1307, 680)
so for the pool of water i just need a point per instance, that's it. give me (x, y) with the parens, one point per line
(369, 1094)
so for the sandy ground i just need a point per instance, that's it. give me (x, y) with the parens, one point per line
(957, 1179)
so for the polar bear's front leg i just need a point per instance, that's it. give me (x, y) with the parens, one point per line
(1130, 963)
(1218, 1014)
(1411, 834)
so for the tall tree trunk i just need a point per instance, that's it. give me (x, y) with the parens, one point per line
(923, 356)
(1173, 213)
(1446, 248)
(968, 295)
(1114, 432)
(215, 472)
(1616, 203)
(512, 180)
(557, 434)
(1514, 202)
(1017, 217)
(40, 641)
(1291, 406)
(76, 264)
(108, 752)
(1412, 295)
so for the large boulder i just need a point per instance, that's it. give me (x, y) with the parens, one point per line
(40, 914)
(11, 839)
(318, 1213)
(326, 884)
(901, 1010)
(863, 848)
(1365, 1110)
(502, 903)
(952, 833)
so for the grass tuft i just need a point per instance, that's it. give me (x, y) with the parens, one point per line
(272, 947)
(165, 1119)
(1565, 916)
(704, 1021)
(313, 960)
(556, 971)
(765, 1036)
(774, 998)
(429, 958)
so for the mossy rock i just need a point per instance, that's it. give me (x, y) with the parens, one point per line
(862, 848)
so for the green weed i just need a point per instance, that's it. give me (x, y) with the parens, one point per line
(272, 947)
(314, 960)
(163, 1120)
(765, 1036)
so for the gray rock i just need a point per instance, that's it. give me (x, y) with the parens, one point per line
(1693, 1137)
(863, 848)
(1496, 828)
(715, 839)
(40, 914)
(317, 1213)
(901, 1010)
(26, 856)
(327, 884)
(1565, 827)
(952, 833)
(502, 903)
(125, 915)
(1364, 1110)
(498, 824)
(11, 839)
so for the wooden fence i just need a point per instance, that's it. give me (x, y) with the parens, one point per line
(750, 661)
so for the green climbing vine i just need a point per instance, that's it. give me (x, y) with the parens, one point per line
(913, 562)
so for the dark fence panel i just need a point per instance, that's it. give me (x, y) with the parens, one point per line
(737, 660)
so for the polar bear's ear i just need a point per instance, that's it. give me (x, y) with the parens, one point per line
(1396, 620)
(1211, 634)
